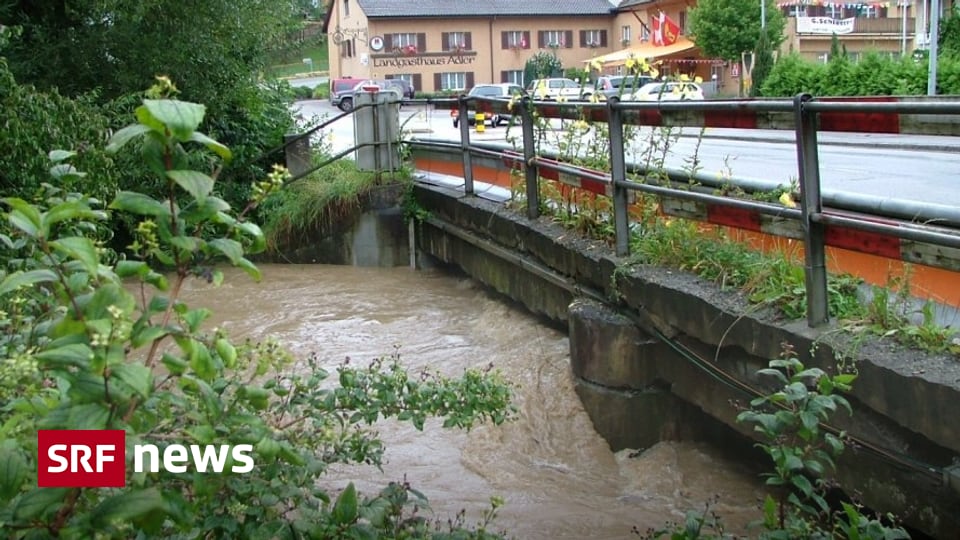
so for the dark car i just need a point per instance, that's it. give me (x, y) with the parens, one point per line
(501, 90)
(621, 85)
(405, 86)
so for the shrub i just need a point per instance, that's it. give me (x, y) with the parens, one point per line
(95, 344)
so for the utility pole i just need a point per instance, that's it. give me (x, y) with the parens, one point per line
(763, 14)
(934, 35)
(903, 30)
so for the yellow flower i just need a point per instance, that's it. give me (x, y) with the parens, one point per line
(698, 79)
(595, 64)
(787, 200)
(561, 98)
(597, 98)
(654, 73)
(684, 77)
(630, 62)
(513, 101)
(581, 125)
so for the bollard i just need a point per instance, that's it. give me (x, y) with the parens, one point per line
(480, 122)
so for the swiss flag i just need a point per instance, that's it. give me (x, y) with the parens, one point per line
(665, 31)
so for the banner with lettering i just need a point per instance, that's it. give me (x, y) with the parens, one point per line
(824, 25)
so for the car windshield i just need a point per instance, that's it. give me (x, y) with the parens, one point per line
(486, 91)
(340, 86)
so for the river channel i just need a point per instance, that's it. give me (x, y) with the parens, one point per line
(559, 479)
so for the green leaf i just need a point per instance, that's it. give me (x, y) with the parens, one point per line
(23, 215)
(195, 183)
(213, 145)
(65, 171)
(138, 203)
(231, 249)
(59, 155)
(202, 434)
(250, 268)
(25, 279)
(195, 317)
(345, 510)
(174, 364)
(201, 362)
(35, 502)
(80, 249)
(126, 269)
(181, 117)
(75, 354)
(256, 234)
(65, 211)
(147, 334)
(802, 483)
(137, 376)
(13, 469)
(127, 507)
(125, 135)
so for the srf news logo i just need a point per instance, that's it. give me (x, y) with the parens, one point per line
(97, 458)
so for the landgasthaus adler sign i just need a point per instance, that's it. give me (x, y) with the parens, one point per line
(414, 61)
(824, 25)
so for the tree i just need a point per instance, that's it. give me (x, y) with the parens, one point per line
(762, 66)
(542, 65)
(726, 28)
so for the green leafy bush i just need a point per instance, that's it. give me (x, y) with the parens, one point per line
(92, 342)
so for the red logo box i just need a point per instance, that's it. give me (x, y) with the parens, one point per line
(81, 458)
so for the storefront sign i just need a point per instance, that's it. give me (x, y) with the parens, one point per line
(824, 25)
(414, 61)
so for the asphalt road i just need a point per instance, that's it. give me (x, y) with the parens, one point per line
(924, 170)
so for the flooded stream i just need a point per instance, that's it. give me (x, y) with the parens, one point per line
(558, 478)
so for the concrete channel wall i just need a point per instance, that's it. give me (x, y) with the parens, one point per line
(659, 354)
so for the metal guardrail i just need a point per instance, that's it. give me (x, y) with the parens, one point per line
(813, 223)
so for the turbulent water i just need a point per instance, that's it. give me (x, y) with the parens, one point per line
(558, 477)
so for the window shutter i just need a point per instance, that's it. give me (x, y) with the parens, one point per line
(503, 76)
(421, 42)
(388, 42)
(445, 41)
(583, 38)
(417, 82)
(603, 38)
(526, 39)
(504, 41)
(437, 85)
(568, 38)
(468, 41)
(541, 39)
(469, 79)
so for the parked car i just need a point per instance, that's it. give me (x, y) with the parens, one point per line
(405, 86)
(551, 89)
(668, 91)
(383, 85)
(340, 88)
(500, 90)
(621, 85)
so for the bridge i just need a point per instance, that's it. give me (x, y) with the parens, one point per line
(662, 354)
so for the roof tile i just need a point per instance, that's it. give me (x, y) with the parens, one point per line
(482, 8)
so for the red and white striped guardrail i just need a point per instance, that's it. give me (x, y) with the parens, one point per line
(874, 243)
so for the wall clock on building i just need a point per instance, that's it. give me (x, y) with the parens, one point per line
(376, 43)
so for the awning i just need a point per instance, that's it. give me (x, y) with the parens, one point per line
(647, 51)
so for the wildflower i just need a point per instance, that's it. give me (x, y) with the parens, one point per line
(684, 77)
(595, 64)
(787, 200)
(514, 99)
(115, 312)
(698, 79)
(581, 125)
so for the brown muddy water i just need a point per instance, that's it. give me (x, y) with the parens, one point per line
(559, 479)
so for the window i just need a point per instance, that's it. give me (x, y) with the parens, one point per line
(400, 41)
(823, 57)
(456, 40)
(593, 38)
(834, 11)
(346, 8)
(644, 33)
(795, 11)
(515, 39)
(556, 39)
(626, 34)
(872, 11)
(512, 77)
(453, 81)
(347, 48)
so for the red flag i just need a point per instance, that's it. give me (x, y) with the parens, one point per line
(665, 31)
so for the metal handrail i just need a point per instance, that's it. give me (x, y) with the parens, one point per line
(800, 115)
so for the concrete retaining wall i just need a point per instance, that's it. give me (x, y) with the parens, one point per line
(634, 333)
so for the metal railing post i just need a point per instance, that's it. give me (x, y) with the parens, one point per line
(618, 175)
(531, 171)
(815, 260)
(465, 145)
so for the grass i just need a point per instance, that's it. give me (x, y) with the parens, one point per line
(291, 63)
(314, 203)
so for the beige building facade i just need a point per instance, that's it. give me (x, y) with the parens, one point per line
(439, 45)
